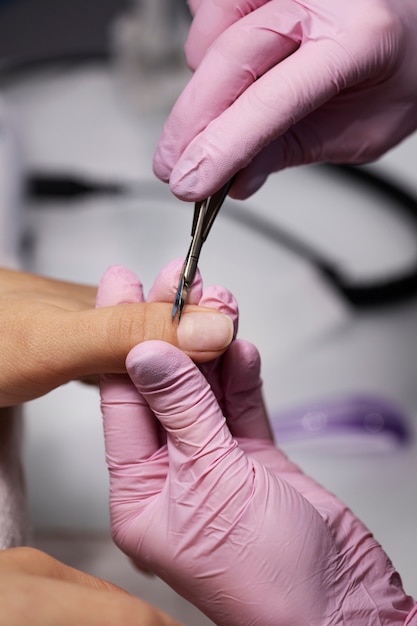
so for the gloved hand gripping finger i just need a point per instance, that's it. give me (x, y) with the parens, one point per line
(130, 429)
(180, 397)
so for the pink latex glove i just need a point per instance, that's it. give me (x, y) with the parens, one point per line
(216, 510)
(288, 82)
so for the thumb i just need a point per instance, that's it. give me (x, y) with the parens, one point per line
(181, 398)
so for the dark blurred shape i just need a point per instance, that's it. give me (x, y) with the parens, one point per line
(34, 31)
(69, 187)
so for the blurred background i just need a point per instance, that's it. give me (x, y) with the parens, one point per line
(322, 261)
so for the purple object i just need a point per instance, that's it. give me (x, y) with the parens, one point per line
(360, 419)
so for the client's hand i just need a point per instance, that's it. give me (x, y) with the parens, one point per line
(38, 590)
(202, 497)
(52, 333)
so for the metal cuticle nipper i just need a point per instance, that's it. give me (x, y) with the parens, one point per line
(205, 212)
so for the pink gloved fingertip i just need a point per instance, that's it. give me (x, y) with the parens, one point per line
(187, 181)
(118, 285)
(165, 286)
(165, 360)
(161, 165)
(219, 298)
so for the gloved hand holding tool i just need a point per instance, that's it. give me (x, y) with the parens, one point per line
(287, 82)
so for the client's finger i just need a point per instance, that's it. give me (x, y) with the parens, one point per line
(37, 589)
(105, 335)
(34, 562)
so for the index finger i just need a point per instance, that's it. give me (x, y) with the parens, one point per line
(237, 58)
(210, 20)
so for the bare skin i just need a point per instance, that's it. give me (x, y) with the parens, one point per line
(51, 333)
(37, 589)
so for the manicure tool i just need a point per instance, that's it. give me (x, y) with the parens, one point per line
(205, 212)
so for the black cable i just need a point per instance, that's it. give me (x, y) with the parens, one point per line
(390, 290)
(359, 294)
(50, 187)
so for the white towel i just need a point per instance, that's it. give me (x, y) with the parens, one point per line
(14, 519)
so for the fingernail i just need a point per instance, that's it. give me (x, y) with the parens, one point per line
(203, 332)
